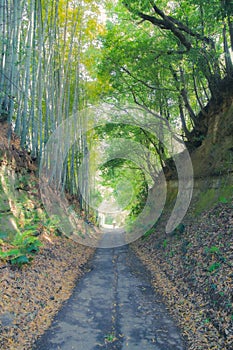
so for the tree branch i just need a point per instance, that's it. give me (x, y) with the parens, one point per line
(137, 79)
(172, 24)
(184, 94)
(143, 82)
(187, 30)
(167, 24)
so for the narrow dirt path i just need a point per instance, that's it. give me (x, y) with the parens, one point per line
(113, 307)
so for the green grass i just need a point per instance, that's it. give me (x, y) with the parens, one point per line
(110, 338)
(215, 266)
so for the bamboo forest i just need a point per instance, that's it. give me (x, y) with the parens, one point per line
(116, 174)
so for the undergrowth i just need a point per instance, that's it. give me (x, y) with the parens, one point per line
(22, 219)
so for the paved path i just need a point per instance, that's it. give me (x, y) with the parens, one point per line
(113, 307)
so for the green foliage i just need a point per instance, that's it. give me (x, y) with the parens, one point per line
(223, 200)
(215, 266)
(226, 194)
(28, 222)
(110, 338)
(165, 243)
(26, 246)
(213, 250)
(15, 256)
(206, 321)
(148, 62)
(140, 200)
(20, 260)
(51, 223)
(126, 178)
(22, 182)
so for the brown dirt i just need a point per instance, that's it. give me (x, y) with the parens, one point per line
(13, 154)
(31, 296)
(193, 272)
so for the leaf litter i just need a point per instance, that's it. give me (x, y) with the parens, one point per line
(193, 272)
(30, 296)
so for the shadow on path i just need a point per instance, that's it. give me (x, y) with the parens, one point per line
(113, 307)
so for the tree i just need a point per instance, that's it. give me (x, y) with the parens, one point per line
(44, 74)
(172, 57)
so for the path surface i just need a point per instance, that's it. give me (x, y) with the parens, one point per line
(113, 307)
